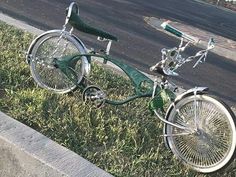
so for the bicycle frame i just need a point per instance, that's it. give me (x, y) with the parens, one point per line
(143, 85)
(191, 113)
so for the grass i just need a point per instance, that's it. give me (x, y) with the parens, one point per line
(123, 140)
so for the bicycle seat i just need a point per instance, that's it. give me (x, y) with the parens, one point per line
(74, 19)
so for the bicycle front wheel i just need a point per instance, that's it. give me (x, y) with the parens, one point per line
(42, 52)
(211, 145)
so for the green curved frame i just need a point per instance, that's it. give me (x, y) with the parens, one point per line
(143, 85)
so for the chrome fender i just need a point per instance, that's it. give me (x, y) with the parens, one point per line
(72, 37)
(192, 91)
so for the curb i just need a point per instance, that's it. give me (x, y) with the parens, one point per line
(20, 24)
(26, 152)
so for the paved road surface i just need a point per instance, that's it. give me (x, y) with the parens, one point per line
(139, 43)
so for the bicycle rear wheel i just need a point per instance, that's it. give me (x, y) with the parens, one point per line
(50, 45)
(212, 144)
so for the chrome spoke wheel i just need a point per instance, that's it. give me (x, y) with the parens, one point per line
(46, 49)
(212, 145)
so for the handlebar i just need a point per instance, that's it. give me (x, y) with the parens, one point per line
(172, 58)
(166, 26)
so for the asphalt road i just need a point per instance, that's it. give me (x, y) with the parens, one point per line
(140, 44)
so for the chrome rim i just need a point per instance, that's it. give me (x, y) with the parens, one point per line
(212, 143)
(43, 68)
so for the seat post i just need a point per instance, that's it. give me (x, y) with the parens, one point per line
(71, 30)
(108, 47)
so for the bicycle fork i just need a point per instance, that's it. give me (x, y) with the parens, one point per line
(186, 130)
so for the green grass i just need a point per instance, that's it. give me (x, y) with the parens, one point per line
(123, 140)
